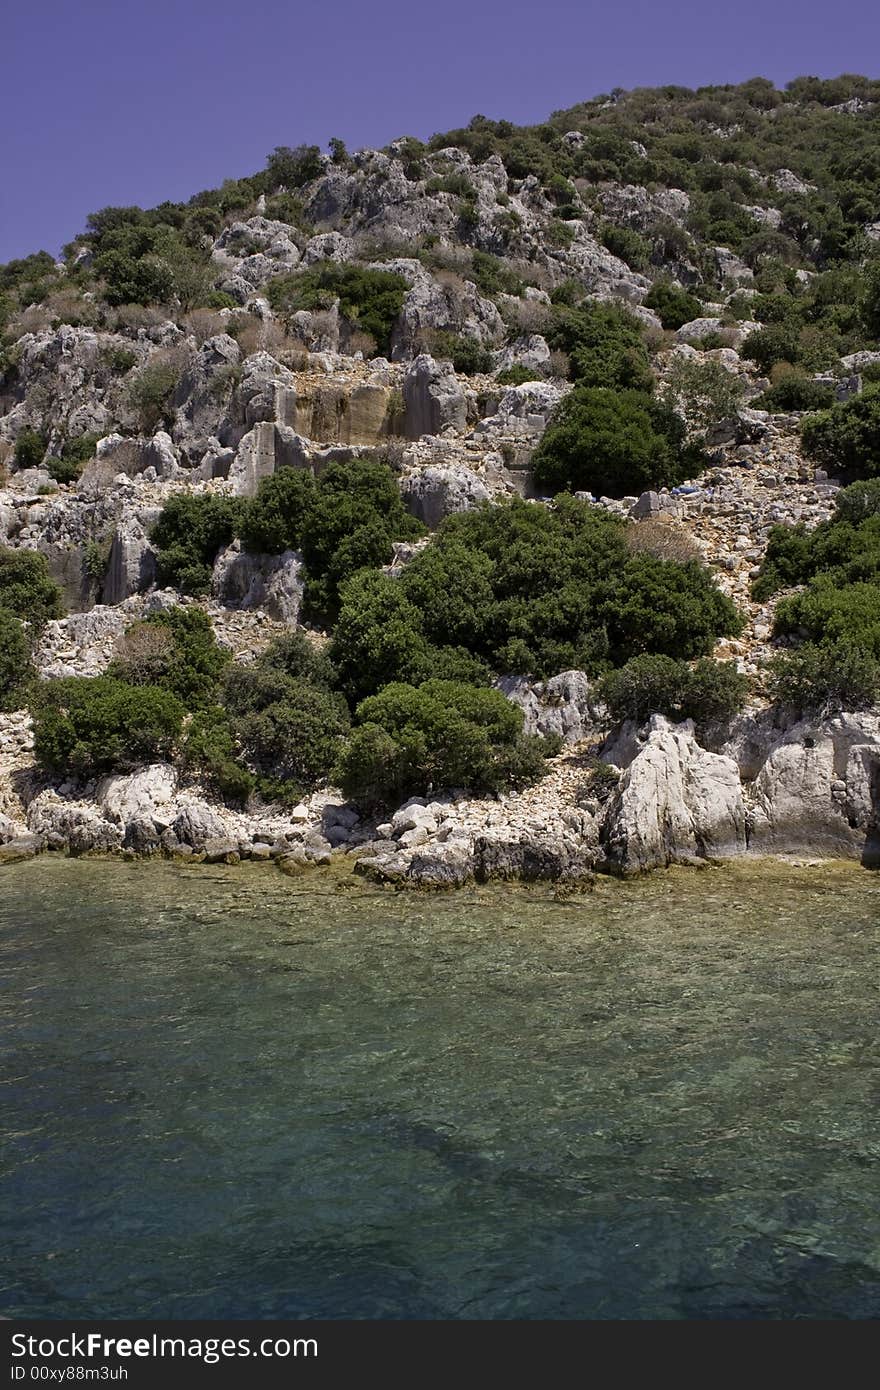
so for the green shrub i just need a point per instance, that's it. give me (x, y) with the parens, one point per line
(457, 184)
(709, 692)
(89, 726)
(826, 613)
(847, 437)
(190, 531)
(210, 751)
(120, 360)
(787, 561)
(775, 343)
(493, 276)
(151, 391)
(418, 740)
(870, 298)
(30, 449)
(175, 650)
(858, 502)
(703, 393)
(75, 454)
(370, 300)
(16, 670)
(525, 590)
(295, 656)
(288, 730)
(558, 233)
(292, 168)
(26, 588)
(378, 636)
(614, 443)
(627, 244)
(466, 354)
(273, 521)
(845, 549)
(673, 305)
(825, 678)
(604, 344)
(796, 393)
(515, 375)
(344, 521)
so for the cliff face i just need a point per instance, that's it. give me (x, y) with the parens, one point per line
(269, 366)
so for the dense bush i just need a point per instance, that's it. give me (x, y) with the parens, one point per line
(287, 724)
(826, 613)
(94, 725)
(492, 276)
(673, 305)
(826, 677)
(703, 393)
(787, 561)
(847, 437)
(379, 638)
(15, 662)
(75, 454)
(176, 650)
(291, 168)
(846, 548)
(709, 692)
(604, 344)
(516, 375)
(627, 244)
(345, 520)
(30, 449)
(614, 443)
(211, 753)
(777, 342)
(27, 590)
(859, 501)
(150, 393)
(466, 355)
(370, 300)
(795, 392)
(273, 520)
(417, 740)
(188, 535)
(528, 590)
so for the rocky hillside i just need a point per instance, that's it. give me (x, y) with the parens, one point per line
(281, 568)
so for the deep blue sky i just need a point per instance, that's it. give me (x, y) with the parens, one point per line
(110, 101)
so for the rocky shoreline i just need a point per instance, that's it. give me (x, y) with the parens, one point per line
(663, 799)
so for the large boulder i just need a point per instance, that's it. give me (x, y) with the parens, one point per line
(195, 824)
(147, 794)
(560, 705)
(263, 449)
(819, 790)
(131, 568)
(675, 803)
(76, 826)
(431, 306)
(433, 397)
(436, 491)
(524, 410)
(530, 857)
(272, 582)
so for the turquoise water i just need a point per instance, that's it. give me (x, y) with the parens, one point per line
(229, 1093)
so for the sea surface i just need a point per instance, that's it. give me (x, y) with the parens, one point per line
(226, 1093)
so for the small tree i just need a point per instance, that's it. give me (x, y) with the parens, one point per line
(673, 305)
(93, 725)
(16, 670)
(613, 442)
(288, 167)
